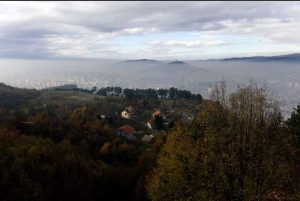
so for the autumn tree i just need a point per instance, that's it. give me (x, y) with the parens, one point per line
(237, 148)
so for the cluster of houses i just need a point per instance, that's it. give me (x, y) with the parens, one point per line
(129, 132)
(128, 113)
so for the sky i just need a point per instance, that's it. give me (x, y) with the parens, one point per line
(152, 30)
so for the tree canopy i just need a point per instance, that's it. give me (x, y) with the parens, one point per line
(237, 148)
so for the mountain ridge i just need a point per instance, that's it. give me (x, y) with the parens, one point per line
(142, 60)
(284, 58)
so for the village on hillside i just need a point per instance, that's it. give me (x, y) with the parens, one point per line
(125, 113)
(134, 129)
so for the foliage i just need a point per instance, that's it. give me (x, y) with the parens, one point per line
(61, 145)
(172, 93)
(294, 122)
(159, 123)
(236, 149)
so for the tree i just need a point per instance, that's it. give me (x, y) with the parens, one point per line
(45, 125)
(236, 149)
(294, 122)
(94, 89)
(102, 92)
(159, 122)
(33, 168)
(129, 93)
(118, 91)
(197, 97)
(162, 93)
(173, 93)
(177, 168)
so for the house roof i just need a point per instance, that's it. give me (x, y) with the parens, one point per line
(127, 129)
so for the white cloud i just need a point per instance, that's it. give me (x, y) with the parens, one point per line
(90, 28)
(189, 43)
(133, 31)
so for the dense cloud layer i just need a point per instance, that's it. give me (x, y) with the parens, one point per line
(140, 29)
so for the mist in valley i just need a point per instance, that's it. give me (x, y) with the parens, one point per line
(281, 78)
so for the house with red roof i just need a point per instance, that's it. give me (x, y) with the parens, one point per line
(126, 131)
(156, 113)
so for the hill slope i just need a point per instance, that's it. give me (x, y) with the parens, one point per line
(12, 96)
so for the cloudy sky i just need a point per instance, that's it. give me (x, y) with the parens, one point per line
(153, 30)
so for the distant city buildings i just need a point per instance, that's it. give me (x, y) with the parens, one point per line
(288, 93)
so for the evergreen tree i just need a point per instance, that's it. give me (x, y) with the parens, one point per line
(294, 122)
(159, 122)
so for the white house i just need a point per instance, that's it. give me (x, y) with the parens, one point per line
(125, 115)
(128, 112)
(147, 138)
(149, 125)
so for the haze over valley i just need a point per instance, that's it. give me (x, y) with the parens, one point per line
(198, 76)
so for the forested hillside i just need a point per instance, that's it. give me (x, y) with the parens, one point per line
(12, 97)
(136, 145)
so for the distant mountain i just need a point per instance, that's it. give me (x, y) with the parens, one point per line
(176, 62)
(174, 73)
(142, 61)
(280, 58)
(177, 67)
(157, 74)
